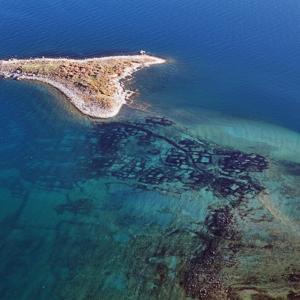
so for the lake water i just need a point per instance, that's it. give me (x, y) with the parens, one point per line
(191, 192)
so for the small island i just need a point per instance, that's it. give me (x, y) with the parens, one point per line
(93, 85)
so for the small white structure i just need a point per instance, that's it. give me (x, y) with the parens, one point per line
(142, 52)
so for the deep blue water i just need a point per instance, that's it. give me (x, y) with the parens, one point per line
(80, 214)
(241, 58)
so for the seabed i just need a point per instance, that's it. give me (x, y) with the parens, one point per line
(151, 212)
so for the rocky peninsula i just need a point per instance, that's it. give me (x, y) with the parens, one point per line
(93, 85)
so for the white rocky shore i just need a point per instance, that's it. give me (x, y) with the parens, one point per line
(93, 85)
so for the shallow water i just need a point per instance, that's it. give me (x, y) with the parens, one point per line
(195, 194)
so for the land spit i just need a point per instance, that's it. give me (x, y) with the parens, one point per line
(93, 85)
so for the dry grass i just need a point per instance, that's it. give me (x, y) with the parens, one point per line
(91, 80)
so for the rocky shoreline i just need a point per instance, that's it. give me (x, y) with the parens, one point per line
(92, 85)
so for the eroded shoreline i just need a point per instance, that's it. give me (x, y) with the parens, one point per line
(93, 85)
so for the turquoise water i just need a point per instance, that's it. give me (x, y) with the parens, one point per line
(196, 195)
